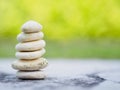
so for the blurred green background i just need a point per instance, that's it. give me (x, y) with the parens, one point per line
(73, 28)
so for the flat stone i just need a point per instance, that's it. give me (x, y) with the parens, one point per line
(30, 55)
(23, 37)
(30, 46)
(31, 75)
(31, 27)
(30, 65)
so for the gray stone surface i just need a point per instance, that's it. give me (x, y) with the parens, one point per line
(66, 74)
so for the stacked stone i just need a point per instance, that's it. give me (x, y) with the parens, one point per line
(30, 51)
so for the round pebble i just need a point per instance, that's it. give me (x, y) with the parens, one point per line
(30, 46)
(31, 75)
(31, 27)
(23, 37)
(30, 65)
(30, 55)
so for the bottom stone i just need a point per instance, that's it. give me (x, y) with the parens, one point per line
(31, 75)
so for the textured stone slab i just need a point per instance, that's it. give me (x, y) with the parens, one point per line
(113, 75)
(65, 74)
(107, 85)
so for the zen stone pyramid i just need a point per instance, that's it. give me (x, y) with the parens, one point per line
(30, 50)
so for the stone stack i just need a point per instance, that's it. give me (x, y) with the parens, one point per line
(30, 51)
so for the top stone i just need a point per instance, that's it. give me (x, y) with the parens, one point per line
(31, 27)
